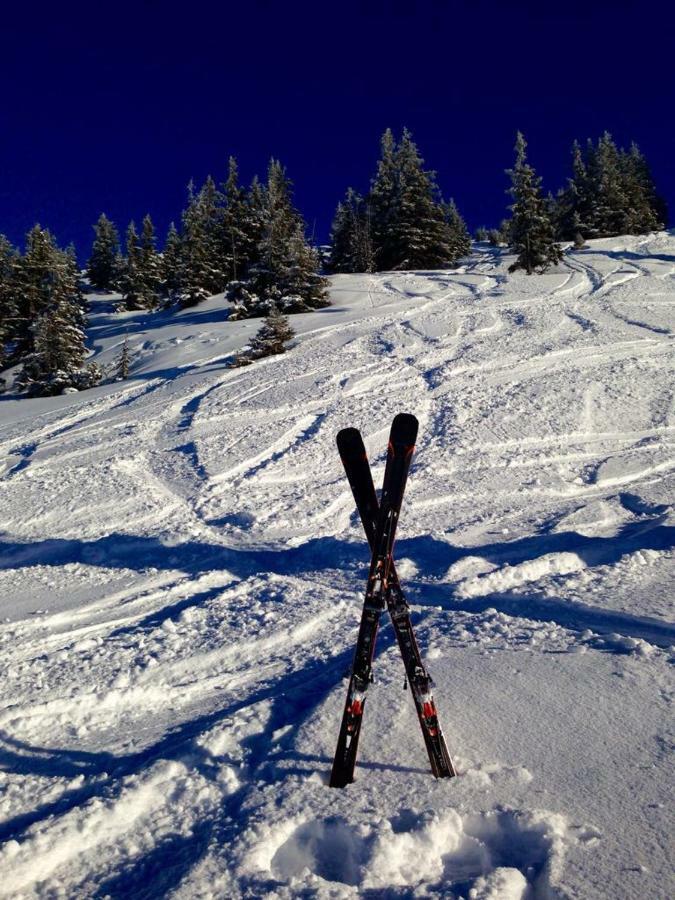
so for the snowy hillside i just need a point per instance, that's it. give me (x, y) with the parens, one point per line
(181, 572)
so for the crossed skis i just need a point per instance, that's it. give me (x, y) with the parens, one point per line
(384, 590)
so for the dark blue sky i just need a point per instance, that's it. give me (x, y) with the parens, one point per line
(114, 106)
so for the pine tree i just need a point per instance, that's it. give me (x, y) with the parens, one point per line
(9, 305)
(419, 235)
(102, 268)
(611, 200)
(56, 362)
(409, 222)
(149, 265)
(237, 241)
(459, 237)
(611, 192)
(170, 262)
(201, 271)
(270, 339)
(253, 224)
(35, 281)
(122, 363)
(646, 210)
(286, 268)
(531, 231)
(130, 281)
(481, 233)
(56, 350)
(351, 243)
(577, 214)
(383, 199)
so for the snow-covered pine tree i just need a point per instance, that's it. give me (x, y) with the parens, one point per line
(419, 234)
(103, 265)
(351, 243)
(341, 236)
(459, 237)
(170, 262)
(130, 280)
(269, 340)
(34, 282)
(383, 200)
(409, 225)
(253, 224)
(611, 201)
(481, 233)
(531, 231)
(149, 265)
(646, 210)
(122, 362)
(237, 242)
(301, 286)
(576, 213)
(611, 192)
(202, 271)
(9, 314)
(286, 270)
(55, 361)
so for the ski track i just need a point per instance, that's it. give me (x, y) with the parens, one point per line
(182, 571)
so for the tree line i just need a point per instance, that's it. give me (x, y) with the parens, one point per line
(404, 223)
(250, 242)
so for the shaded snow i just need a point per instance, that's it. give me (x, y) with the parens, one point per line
(181, 571)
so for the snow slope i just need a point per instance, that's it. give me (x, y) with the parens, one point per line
(181, 571)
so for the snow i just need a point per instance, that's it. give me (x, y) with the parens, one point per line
(181, 573)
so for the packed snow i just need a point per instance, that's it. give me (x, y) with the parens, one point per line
(182, 570)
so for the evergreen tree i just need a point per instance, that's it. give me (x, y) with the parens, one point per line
(419, 236)
(351, 243)
(253, 224)
(103, 265)
(411, 226)
(459, 237)
(56, 362)
(481, 233)
(531, 230)
(170, 263)
(611, 192)
(122, 363)
(286, 268)
(271, 338)
(55, 308)
(36, 278)
(237, 239)
(201, 270)
(130, 282)
(576, 205)
(646, 209)
(383, 199)
(9, 306)
(149, 265)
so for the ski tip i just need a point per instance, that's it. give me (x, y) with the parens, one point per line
(404, 428)
(350, 442)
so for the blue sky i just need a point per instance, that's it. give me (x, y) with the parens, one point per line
(114, 107)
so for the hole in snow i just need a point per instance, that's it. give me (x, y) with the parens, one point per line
(330, 849)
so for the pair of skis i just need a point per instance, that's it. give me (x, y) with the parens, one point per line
(384, 591)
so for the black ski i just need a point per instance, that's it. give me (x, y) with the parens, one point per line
(401, 445)
(355, 461)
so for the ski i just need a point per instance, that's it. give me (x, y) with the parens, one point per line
(399, 452)
(357, 468)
